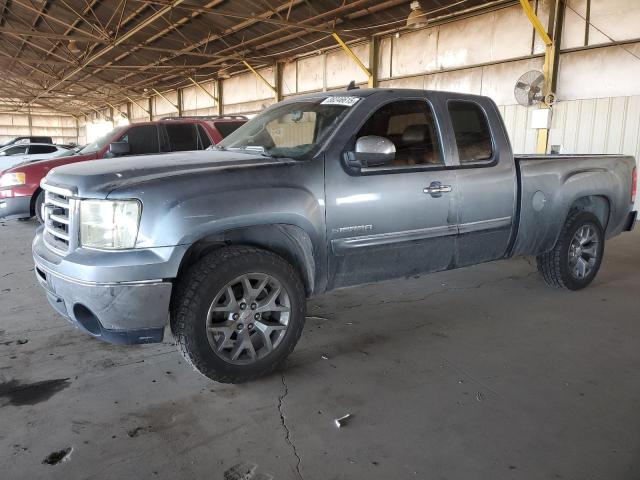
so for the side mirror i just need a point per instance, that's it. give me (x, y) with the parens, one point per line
(372, 151)
(117, 149)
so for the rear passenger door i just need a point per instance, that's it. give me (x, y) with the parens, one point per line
(184, 137)
(486, 178)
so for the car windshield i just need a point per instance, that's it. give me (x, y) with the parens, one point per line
(101, 142)
(65, 153)
(294, 130)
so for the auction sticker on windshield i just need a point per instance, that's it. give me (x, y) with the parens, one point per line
(345, 101)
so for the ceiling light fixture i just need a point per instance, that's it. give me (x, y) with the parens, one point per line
(417, 17)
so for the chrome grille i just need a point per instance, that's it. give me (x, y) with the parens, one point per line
(58, 213)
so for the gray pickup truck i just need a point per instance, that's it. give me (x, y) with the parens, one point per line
(318, 192)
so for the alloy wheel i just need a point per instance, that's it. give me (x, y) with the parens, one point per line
(248, 318)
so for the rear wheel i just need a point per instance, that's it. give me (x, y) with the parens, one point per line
(575, 260)
(238, 312)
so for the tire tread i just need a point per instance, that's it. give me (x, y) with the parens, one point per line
(183, 313)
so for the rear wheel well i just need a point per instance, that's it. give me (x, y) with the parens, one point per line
(596, 204)
(288, 241)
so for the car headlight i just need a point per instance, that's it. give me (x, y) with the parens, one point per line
(12, 179)
(109, 224)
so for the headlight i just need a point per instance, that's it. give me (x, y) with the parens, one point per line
(11, 179)
(109, 224)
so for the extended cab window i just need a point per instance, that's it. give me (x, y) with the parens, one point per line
(142, 140)
(410, 126)
(471, 130)
(182, 137)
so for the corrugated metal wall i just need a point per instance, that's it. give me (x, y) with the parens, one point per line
(62, 128)
(601, 125)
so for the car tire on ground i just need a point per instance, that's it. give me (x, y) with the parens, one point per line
(38, 206)
(575, 259)
(237, 313)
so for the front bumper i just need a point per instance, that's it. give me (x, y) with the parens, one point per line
(15, 207)
(122, 312)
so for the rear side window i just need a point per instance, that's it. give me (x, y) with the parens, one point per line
(182, 137)
(227, 128)
(471, 130)
(41, 149)
(142, 140)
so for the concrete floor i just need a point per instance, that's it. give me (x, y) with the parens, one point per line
(482, 373)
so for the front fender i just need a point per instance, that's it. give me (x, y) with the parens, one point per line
(187, 220)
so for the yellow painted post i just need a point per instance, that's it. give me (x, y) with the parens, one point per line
(264, 80)
(547, 69)
(203, 89)
(143, 109)
(354, 57)
(177, 107)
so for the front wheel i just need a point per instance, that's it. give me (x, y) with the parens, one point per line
(38, 206)
(575, 259)
(237, 313)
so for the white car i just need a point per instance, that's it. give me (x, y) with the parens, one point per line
(28, 152)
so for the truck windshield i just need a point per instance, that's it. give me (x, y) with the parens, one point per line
(294, 130)
(101, 142)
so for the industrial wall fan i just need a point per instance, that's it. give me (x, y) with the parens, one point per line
(529, 90)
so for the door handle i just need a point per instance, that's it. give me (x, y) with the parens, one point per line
(436, 189)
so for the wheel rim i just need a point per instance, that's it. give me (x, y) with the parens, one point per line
(248, 318)
(583, 252)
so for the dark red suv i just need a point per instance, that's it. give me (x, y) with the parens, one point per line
(20, 192)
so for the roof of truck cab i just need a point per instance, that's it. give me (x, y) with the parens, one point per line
(208, 121)
(366, 92)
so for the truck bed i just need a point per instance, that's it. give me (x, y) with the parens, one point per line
(549, 185)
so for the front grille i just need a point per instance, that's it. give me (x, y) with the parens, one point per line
(58, 213)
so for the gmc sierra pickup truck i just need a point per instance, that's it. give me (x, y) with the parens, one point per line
(318, 192)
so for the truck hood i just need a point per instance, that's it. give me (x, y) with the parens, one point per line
(99, 178)
(48, 164)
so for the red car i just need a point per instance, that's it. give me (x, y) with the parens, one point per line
(20, 192)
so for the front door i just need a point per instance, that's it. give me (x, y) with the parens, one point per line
(395, 220)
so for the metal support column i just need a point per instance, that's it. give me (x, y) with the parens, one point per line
(374, 49)
(180, 105)
(220, 96)
(277, 74)
(550, 58)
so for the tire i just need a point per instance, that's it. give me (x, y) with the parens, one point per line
(38, 206)
(205, 335)
(558, 266)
